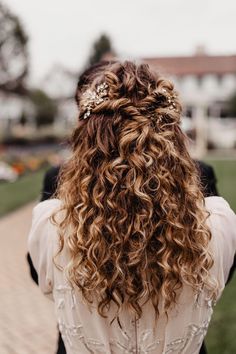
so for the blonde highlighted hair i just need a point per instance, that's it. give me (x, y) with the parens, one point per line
(134, 217)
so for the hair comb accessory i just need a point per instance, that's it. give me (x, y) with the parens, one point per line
(93, 98)
(170, 100)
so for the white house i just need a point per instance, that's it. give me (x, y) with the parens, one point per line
(201, 78)
(205, 83)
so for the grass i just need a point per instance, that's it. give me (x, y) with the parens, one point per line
(221, 337)
(25, 189)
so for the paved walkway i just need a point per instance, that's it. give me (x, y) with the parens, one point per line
(27, 322)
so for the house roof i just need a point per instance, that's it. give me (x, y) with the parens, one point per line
(194, 65)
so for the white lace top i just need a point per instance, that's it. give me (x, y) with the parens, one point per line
(85, 331)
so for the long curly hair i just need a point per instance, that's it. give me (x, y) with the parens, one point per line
(134, 216)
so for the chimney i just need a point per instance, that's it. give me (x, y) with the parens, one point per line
(200, 50)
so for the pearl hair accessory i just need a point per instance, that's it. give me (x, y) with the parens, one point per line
(170, 100)
(94, 98)
(171, 105)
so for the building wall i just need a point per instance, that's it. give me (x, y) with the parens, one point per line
(207, 89)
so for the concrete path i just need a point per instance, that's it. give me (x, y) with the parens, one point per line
(27, 322)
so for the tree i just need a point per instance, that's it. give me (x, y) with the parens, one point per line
(46, 108)
(100, 47)
(13, 52)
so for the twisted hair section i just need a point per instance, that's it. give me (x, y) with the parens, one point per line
(131, 197)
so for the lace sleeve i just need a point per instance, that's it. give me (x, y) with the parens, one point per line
(41, 244)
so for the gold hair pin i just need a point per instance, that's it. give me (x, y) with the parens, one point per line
(94, 98)
(170, 100)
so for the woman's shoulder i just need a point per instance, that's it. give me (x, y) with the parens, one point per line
(215, 204)
(46, 208)
(222, 223)
(220, 210)
(221, 217)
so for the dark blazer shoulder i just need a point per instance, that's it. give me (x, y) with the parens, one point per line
(50, 182)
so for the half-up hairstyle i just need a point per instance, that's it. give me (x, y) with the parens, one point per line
(134, 217)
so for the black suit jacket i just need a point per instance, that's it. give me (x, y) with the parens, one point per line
(208, 179)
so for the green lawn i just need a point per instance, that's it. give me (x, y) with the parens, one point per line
(25, 189)
(221, 337)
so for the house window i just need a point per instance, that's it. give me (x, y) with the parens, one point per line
(219, 79)
(224, 112)
(199, 80)
(188, 112)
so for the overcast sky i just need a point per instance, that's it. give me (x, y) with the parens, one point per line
(62, 31)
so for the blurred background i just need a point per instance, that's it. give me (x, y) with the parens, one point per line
(44, 46)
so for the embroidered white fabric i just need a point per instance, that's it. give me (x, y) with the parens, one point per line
(84, 331)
